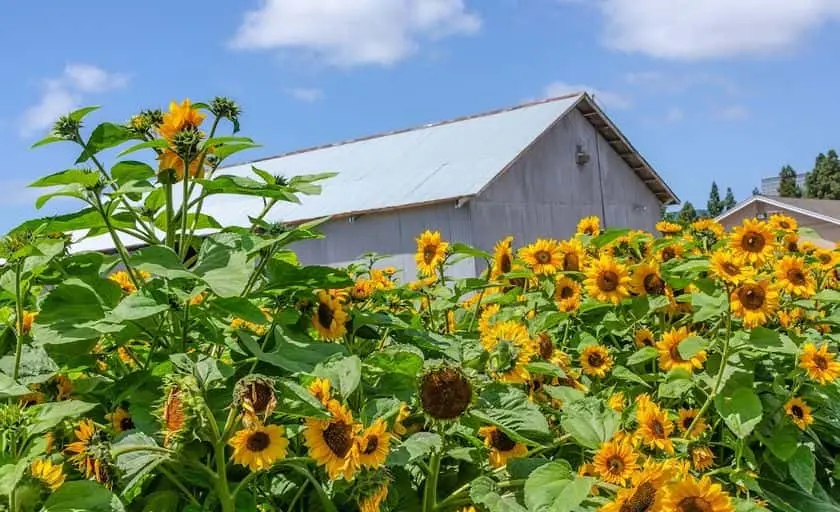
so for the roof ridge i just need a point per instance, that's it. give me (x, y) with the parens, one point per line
(413, 128)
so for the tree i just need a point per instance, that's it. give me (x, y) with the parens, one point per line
(729, 200)
(756, 192)
(787, 183)
(714, 205)
(824, 181)
(688, 213)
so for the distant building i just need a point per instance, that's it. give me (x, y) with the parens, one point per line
(821, 217)
(770, 186)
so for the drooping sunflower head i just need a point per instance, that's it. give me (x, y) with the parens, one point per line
(799, 412)
(692, 495)
(502, 447)
(647, 280)
(669, 353)
(590, 226)
(567, 294)
(543, 256)
(445, 392)
(431, 252)
(794, 277)
(753, 241)
(668, 228)
(371, 501)
(702, 458)
(755, 302)
(28, 319)
(120, 420)
(644, 338)
(607, 280)
(729, 267)
(616, 461)
(51, 475)
(510, 348)
(179, 407)
(819, 363)
(332, 442)
(502, 258)
(374, 444)
(258, 447)
(784, 223)
(90, 452)
(256, 396)
(689, 417)
(329, 318)
(596, 360)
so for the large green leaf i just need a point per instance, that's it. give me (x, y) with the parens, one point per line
(240, 185)
(771, 341)
(10, 389)
(708, 306)
(136, 307)
(416, 446)
(135, 465)
(297, 401)
(510, 409)
(485, 492)
(131, 170)
(589, 422)
(788, 498)
(160, 261)
(286, 275)
(802, 468)
(555, 487)
(344, 373)
(83, 495)
(292, 355)
(240, 308)
(690, 346)
(87, 218)
(73, 301)
(104, 136)
(10, 475)
(642, 355)
(741, 410)
(83, 177)
(47, 416)
(225, 269)
(784, 440)
(36, 366)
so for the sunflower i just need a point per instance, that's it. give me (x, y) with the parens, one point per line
(543, 256)
(781, 222)
(567, 294)
(51, 475)
(668, 228)
(643, 401)
(790, 242)
(646, 493)
(445, 393)
(28, 319)
(753, 241)
(709, 226)
(615, 462)
(373, 445)
(402, 415)
(373, 502)
(431, 251)
(799, 412)
(574, 255)
(259, 447)
(669, 252)
(789, 318)
(794, 277)
(510, 350)
(32, 398)
(502, 447)
(692, 495)
(120, 420)
(329, 318)
(616, 402)
(502, 258)
(320, 389)
(729, 267)
(647, 281)
(589, 226)
(121, 278)
(174, 414)
(754, 302)
(596, 360)
(179, 118)
(827, 259)
(332, 442)
(256, 396)
(687, 417)
(87, 451)
(169, 160)
(607, 281)
(655, 429)
(422, 283)
(702, 458)
(644, 338)
(819, 363)
(669, 353)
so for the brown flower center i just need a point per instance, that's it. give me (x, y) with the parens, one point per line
(571, 262)
(820, 362)
(797, 412)
(445, 393)
(338, 436)
(657, 428)
(542, 257)
(372, 444)
(784, 224)
(796, 276)
(730, 268)
(260, 396)
(753, 242)
(687, 421)
(429, 253)
(505, 264)
(257, 442)
(751, 296)
(646, 340)
(642, 500)
(325, 314)
(792, 246)
(824, 258)
(546, 347)
(694, 504)
(607, 281)
(567, 292)
(615, 465)
(654, 285)
(668, 253)
(126, 424)
(500, 441)
(595, 360)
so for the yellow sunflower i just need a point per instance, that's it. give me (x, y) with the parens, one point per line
(179, 118)
(374, 444)
(702, 458)
(122, 278)
(755, 302)
(51, 475)
(709, 225)
(669, 353)
(596, 360)
(373, 502)
(502, 448)
(543, 256)
(646, 492)
(169, 160)
(567, 294)
(790, 242)
(120, 420)
(827, 258)
(329, 318)
(644, 338)
(819, 363)
(794, 277)
(668, 228)
(799, 412)
(753, 241)
(781, 222)
(402, 415)
(320, 389)
(487, 319)
(332, 442)
(84, 453)
(788, 318)
(669, 252)
(692, 495)
(615, 462)
(510, 350)
(616, 402)
(729, 267)
(28, 319)
(502, 258)
(574, 255)
(607, 281)
(647, 281)
(655, 429)
(431, 252)
(259, 446)
(589, 226)
(687, 417)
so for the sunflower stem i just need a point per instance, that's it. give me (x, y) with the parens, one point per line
(430, 490)
(122, 450)
(19, 320)
(723, 361)
(172, 478)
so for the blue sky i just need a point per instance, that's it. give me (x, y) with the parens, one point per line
(725, 90)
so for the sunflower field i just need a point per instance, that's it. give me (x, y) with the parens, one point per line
(692, 370)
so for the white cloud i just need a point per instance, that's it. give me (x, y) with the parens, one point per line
(348, 33)
(733, 113)
(605, 98)
(306, 94)
(703, 29)
(63, 94)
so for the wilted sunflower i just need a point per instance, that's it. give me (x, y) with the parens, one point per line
(259, 447)
(179, 118)
(702, 458)
(781, 222)
(692, 495)
(574, 255)
(668, 228)
(329, 318)
(589, 226)
(332, 442)
(607, 281)
(567, 294)
(753, 241)
(669, 353)
(502, 447)
(502, 258)
(827, 258)
(655, 429)
(373, 502)
(799, 412)
(647, 281)
(120, 420)
(669, 252)
(510, 350)
(596, 360)
(89, 455)
(374, 444)
(543, 256)
(729, 267)
(819, 363)
(616, 461)
(320, 389)
(755, 302)
(256, 396)
(431, 252)
(51, 475)
(644, 338)
(445, 393)
(794, 277)
(687, 417)
(174, 413)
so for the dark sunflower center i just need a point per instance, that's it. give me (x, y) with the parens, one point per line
(796, 276)
(445, 393)
(792, 246)
(542, 257)
(567, 292)
(500, 441)
(608, 281)
(505, 265)
(338, 437)
(325, 314)
(595, 360)
(642, 499)
(687, 421)
(260, 395)
(257, 442)
(571, 262)
(730, 268)
(820, 362)
(675, 353)
(784, 224)
(752, 296)
(646, 341)
(545, 346)
(429, 253)
(797, 412)
(657, 428)
(372, 444)
(126, 424)
(654, 285)
(616, 465)
(694, 504)
(668, 253)
(824, 258)
(753, 242)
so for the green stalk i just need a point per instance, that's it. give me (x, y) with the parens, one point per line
(226, 500)
(430, 489)
(172, 478)
(182, 249)
(18, 319)
(200, 165)
(116, 239)
(721, 370)
(170, 213)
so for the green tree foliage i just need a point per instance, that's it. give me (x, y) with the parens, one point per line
(688, 213)
(756, 192)
(729, 200)
(824, 181)
(714, 205)
(787, 183)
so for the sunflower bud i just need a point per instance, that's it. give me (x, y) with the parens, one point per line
(67, 127)
(225, 107)
(281, 180)
(186, 142)
(445, 392)
(255, 394)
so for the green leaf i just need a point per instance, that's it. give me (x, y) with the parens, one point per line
(225, 270)
(79, 114)
(786, 498)
(240, 185)
(828, 296)
(75, 191)
(135, 465)
(589, 422)
(802, 468)
(414, 447)
(87, 218)
(241, 308)
(131, 170)
(544, 368)
(690, 346)
(47, 416)
(136, 307)
(510, 410)
(344, 373)
(677, 383)
(36, 366)
(460, 248)
(104, 136)
(708, 306)
(555, 487)
(484, 491)
(161, 261)
(82, 177)
(297, 401)
(692, 266)
(286, 275)
(226, 150)
(154, 143)
(741, 410)
(620, 372)
(10, 475)
(642, 355)
(72, 301)
(386, 408)
(292, 355)
(608, 236)
(10, 389)
(400, 359)
(82, 495)
(49, 139)
(784, 440)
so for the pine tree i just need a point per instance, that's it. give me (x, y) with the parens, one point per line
(729, 200)
(756, 192)
(787, 183)
(688, 213)
(824, 181)
(714, 205)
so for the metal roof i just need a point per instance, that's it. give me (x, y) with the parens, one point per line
(826, 210)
